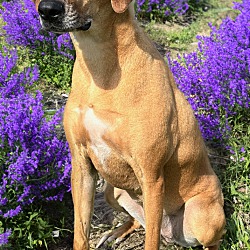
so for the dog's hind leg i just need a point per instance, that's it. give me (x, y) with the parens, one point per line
(120, 200)
(204, 219)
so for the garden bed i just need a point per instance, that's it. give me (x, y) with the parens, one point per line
(214, 75)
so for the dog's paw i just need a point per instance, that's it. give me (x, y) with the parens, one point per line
(108, 240)
(119, 234)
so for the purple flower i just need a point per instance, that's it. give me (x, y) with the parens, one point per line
(12, 212)
(216, 77)
(34, 160)
(242, 150)
(168, 7)
(22, 27)
(4, 237)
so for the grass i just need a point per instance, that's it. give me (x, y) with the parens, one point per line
(180, 36)
(235, 179)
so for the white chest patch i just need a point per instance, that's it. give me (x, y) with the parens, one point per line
(96, 129)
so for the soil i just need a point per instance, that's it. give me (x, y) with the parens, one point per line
(104, 220)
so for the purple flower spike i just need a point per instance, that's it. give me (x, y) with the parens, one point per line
(215, 78)
(35, 162)
(4, 237)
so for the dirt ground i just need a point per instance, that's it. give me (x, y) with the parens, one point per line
(105, 219)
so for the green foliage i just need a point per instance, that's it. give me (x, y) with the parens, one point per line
(173, 36)
(30, 230)
(55, 69)
(38, 226)
(236, 186)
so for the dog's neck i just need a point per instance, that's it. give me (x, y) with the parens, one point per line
(107, 45)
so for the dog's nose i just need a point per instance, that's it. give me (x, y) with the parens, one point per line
(50, 10)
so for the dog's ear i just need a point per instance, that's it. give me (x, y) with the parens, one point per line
(119, 6)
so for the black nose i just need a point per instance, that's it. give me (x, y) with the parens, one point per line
(50, 10)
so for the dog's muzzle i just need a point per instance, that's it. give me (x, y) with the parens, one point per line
(54, 17)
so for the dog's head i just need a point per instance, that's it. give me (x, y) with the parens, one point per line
(61, 16)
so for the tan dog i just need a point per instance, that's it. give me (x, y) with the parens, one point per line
(126, 119)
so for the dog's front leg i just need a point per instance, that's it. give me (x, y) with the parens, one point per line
(83, 181)
(153, 195)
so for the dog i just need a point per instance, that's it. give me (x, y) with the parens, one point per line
(126, 119)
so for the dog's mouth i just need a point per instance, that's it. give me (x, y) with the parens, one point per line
(60, 28)
(86, 26)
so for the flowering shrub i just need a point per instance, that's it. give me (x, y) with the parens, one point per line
(35, 163)
(165, 8)
(50, 52)
(180, 6)
(216, 77)
(22, 27)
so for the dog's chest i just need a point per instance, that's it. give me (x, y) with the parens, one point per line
(96, 129)
(107, 160)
